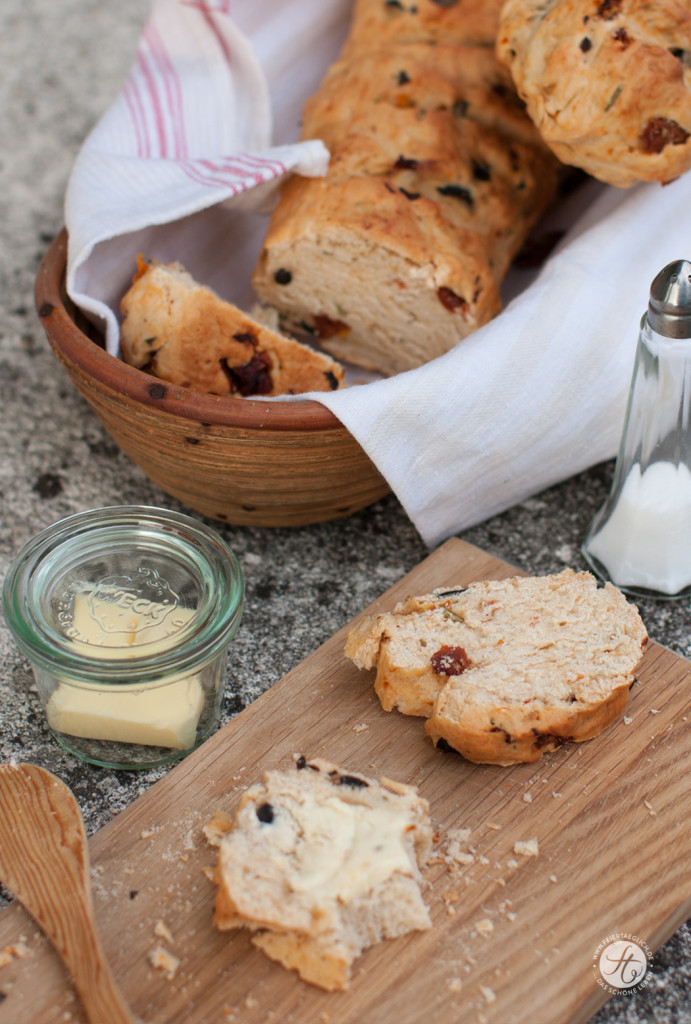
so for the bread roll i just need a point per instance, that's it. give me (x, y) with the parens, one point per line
(607, 83)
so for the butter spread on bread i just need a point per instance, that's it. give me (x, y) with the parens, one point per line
(319, 864)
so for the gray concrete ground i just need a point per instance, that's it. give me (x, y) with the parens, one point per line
(61, 63)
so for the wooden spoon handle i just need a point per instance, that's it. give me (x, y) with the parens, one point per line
(94, 981)
(44, 860)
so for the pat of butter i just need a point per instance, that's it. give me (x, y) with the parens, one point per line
(346, 850)
(122, 626)
(164, 716)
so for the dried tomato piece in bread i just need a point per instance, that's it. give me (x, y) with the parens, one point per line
(184, 333)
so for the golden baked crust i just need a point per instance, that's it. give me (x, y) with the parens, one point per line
(507, 670)
(471, 22)
(607, 83)
(184, 333)
(436, 176)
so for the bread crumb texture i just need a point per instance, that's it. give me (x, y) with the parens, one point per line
(506, 670)
(320, 864)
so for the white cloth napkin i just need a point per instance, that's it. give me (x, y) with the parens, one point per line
(185, 165)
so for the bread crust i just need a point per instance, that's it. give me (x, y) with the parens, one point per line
(184, 333)
(436, 177)
(607, 84)
(506, 671)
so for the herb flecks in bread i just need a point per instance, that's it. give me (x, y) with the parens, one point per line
(320, 864)
(506, 670)
(184, 333)
(435, 179)
(608, 84)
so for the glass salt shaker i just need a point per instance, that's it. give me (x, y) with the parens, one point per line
(640, 539)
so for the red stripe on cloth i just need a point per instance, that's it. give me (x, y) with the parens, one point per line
(276, 166)
(136, 108)
(229, 165)
(192, 169)
(154, 105)
(220, 7)
(172, 89)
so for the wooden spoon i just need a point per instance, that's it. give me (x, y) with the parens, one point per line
(44, 860)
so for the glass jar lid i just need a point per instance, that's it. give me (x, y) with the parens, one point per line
(141, 591)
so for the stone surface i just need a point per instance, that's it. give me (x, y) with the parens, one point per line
(61, 63)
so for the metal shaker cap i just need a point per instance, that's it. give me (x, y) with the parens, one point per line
(669, 308)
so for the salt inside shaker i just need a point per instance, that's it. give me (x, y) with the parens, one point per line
(641, 537)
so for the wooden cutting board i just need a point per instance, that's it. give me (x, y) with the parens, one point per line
(513, 938)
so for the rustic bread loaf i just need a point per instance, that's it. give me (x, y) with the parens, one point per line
(320, 864)
(184, 333)
(607, 83)
(436, 177)
(506, 670)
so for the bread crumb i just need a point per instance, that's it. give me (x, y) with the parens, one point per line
(147, 833)
(488, 993)
(627, 720)
(163, 932)
(555, 794)
(251, 1003)
(455, 855)
(17, 950)
(527, 798)
(553, 878)
(511, 863)
(361, 727)
(455, 984)
(654, 711)
(216, 827)
(163, 960)
(493, 825)
(526, 847)
(653, 813)
(511, 915)
(485, 926)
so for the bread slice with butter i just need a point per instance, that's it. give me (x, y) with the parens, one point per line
(320, 864)
(506, 670)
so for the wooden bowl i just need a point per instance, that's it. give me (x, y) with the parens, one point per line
(240, 460)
